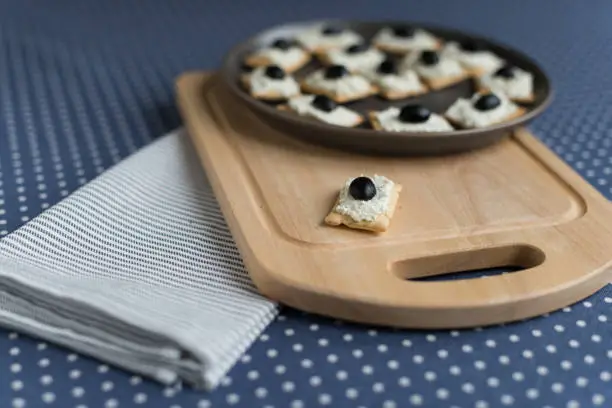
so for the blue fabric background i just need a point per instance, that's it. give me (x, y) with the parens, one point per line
(86, 83)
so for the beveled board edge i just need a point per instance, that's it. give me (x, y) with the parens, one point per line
(562, 282)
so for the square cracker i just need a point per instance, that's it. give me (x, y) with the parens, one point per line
(394, 49)
(268, 96)
(262, 61)
(323, 57)
(375, 122)
(528, 99)
(391, 94)
(519, 112)
(439, 83)
(373, 90)
(476, 72)
(287, 108)
(380, 224)
(318, 50)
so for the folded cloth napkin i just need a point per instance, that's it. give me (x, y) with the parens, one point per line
(138, 269)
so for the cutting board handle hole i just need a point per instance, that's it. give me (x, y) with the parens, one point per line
(470, 264)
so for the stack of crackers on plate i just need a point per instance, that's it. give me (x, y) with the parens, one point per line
(340, 67)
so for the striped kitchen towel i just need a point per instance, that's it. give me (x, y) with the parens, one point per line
(138, 269)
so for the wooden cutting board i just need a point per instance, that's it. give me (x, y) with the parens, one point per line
(512, 204)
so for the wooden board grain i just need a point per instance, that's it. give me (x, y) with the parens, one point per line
(514, 203)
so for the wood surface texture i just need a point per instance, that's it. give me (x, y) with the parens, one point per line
(512, 204)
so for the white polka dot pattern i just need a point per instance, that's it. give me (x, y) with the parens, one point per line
(83, 85)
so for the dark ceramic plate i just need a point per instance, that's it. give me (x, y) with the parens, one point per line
(366, 139)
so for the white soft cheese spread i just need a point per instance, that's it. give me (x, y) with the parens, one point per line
(464, 112)
(421, 40)
(389, 120)
(366, 211)
(263, 85)
(445, 68)
(340, 116)
(404, 82)
(357, 62)
(349, 85)
(484, 60)
(286, 59)
(518, 87)
(314, 39)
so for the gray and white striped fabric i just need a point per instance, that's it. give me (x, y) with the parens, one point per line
(138, 269)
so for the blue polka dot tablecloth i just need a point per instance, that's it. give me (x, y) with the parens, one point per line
(84, 84)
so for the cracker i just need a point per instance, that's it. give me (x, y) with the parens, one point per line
(392, 49)
(476, 72)
(380, 224)
(375, 122)
(519, 112)
(336, 97)
(485, 89)
(268, 96)
(287, 108)
(393, 94)
(525, 100)
(261, 61)
(324, 59)
(439, 83)
(321, 49)
(358, 122)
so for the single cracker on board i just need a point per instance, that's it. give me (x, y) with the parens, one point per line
(380, 224)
